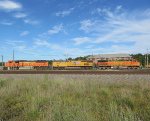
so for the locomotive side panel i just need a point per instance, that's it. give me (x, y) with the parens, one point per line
(15, 65)
(35, 64)
(11, 65)
(72, 65)
(80, 64)
(119, 64)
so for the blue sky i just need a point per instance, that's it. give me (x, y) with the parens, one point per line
(57, 29)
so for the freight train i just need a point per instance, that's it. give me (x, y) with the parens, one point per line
(63, 65)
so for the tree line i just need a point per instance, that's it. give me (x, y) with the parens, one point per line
(141, 58)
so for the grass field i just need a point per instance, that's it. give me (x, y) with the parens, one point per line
(74, 98)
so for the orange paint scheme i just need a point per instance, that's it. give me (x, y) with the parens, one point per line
(26, 64)
(11, 64)
(119, 63)
(35, 64)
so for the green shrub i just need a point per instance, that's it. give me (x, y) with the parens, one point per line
(3, 83)
(12, 106)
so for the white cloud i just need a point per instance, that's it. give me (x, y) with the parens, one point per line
(32, 22)
(81, 40)
(20, 47)
(86, 25)
(125, 30)
(64, 13)
(120, 27)
(9, 5)
(119, 7)
(45, 43)
(146, 13)
(108, 12)
(7, 23)
(15, 44)
(24, 33)
(56, 29)
(40, 42)
(20, 15)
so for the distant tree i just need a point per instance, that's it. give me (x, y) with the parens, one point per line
(82, 58)
(140, 57)
(70, 58)
(1, 64)
(50, 62)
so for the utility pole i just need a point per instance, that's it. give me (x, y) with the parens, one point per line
(67, 56)
(93, 57)
(2, 61)
(13, 58)
(13, 55)
(147, 58)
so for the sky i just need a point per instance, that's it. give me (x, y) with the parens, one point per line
(57, 29)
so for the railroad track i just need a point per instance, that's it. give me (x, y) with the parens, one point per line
(96, 72)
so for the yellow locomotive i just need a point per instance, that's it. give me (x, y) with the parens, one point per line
(72, 65)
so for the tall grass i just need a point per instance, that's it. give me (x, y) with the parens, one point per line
(74, 98)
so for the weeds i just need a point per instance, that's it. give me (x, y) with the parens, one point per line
(74, 98)
(2, 82)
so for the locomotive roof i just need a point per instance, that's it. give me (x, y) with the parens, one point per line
(30, 60)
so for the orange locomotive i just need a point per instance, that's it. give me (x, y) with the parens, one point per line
(22, 64)
(103, 64)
